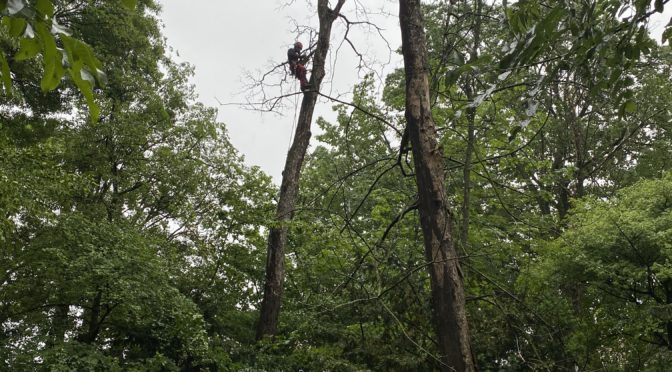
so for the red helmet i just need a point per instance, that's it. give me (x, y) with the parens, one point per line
(298, 45)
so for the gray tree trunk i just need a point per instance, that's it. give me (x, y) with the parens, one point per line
(448, 301)
(289, 189)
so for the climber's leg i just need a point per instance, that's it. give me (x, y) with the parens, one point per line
(301, 75)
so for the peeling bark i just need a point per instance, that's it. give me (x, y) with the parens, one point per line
(448, 300)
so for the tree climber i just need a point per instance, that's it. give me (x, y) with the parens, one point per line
(296, 64)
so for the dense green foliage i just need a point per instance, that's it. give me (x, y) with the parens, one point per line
(117, 234)
(614, 264)
(32, 28)
(136, 240)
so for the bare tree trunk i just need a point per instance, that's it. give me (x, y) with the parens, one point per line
(59, 326)
(466, 174)
(91, 320)
(667, 285)
(469, 88)
(448, 301)
(289, 189)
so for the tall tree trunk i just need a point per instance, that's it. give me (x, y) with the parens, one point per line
(466, 174)
(289, 189)
(59, 325)
(469, 88)
(91, 320)
(448, 301)
(667, 285)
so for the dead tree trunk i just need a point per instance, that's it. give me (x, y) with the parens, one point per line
(289, 189)
(448, 301)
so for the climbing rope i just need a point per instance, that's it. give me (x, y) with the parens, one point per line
(296, 107)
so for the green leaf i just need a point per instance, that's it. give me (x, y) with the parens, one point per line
(28, 48)
(52, 75)
(507, 61)
(667, 35)
(69, 47)
(53, 61)
(6, 77)
(84, 71)
(632, 52)
(452, 76)
(129, 4)
(658, 4)
(16, 26)
(615, 75)
(45, 7)
(85, 87)
(532, 47)
(630, 107)
(79, 51)
(456, 58)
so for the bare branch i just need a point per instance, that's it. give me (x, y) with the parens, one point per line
(363, 110)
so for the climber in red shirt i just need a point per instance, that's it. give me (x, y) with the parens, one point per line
(296, 64)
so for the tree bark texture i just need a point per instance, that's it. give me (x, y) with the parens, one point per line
(289, 189)
(448, 300)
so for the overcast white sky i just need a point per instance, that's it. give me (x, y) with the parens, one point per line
(222, 39)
